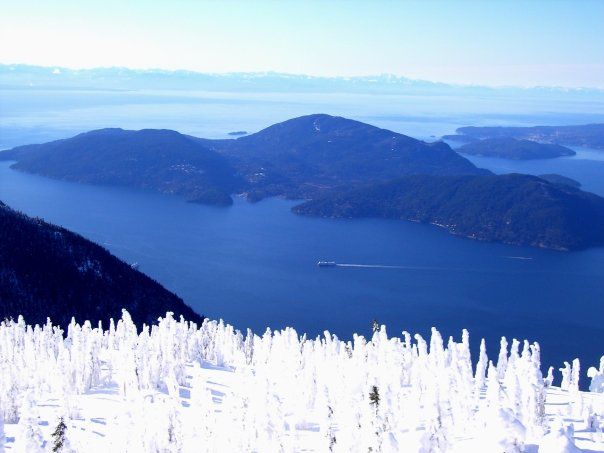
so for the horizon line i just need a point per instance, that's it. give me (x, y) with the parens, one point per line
(310, 76)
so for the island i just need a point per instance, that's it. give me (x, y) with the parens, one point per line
(152, 159)
(511, 148)
(238, 133)
(512, 209)
(298, 158)
(306, 156)
(587, 135)
(345, 168)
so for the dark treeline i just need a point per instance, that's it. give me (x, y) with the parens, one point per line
(48, 271)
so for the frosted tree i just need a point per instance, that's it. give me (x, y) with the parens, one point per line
(435, 437)
(549, 379)
(481, 366)
(137, 427)
(248, 348)
(558, 440)
(511, 432)
(327, 421)
(566, 372)
(369, 425)
(2, 433)
(502, 361)
(10, 399)
(573, 385)
(174, 434)
(494, 391)
(202, 404)
(30, 438)
(377, 393)
(597, 378)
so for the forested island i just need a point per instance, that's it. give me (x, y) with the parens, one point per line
(588, 135)
(513, 209)
(153, 159)
(511, 148)
(345, 168)
(298, 158)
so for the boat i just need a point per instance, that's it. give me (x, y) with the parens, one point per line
(326, 263)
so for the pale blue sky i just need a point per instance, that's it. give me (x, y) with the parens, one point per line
(491, 42)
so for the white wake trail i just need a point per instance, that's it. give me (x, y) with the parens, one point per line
(378, 266)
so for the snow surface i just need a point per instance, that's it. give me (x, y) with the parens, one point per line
(179, 387)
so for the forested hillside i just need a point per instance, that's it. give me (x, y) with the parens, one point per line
(48, 271)
(153, 159)
(306, 156)
(514, 209)
(511, 148)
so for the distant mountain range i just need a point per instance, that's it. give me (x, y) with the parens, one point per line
(511, 148)
(588, 135)
(28, 76)
(513, 209)
(48, 271)
(298, 158)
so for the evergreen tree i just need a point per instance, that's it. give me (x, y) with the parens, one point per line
(375, 326)
(374, 396)
(59, 439)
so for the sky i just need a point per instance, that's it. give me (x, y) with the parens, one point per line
(493, 43)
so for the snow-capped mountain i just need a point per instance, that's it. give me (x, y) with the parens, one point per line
(121, 78)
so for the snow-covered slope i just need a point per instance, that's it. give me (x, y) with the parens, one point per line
(179, 387)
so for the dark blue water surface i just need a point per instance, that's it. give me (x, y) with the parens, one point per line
(254, 265)
(586, 167)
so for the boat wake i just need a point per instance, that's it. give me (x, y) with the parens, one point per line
(375, 266)
(381, 266)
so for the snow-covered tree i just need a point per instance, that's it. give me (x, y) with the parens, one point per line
(2, 433)
(597, 378)
(381, 393)
(481, 366)
(30, 438)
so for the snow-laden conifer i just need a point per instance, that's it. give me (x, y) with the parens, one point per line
(30, 438)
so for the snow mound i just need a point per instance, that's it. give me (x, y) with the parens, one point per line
(558, 441)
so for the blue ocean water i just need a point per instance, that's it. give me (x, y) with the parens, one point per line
(254, 265)
(39, 115)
